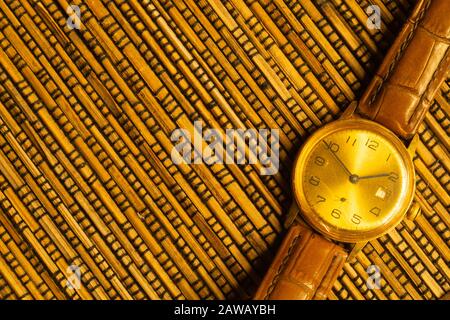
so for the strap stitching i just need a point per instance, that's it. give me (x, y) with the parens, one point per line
(280, 268)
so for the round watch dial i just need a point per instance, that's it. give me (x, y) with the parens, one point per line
(353, 180)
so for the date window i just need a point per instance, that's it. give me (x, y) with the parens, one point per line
(382, 193)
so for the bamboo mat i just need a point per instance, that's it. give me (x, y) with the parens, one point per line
(86, 177)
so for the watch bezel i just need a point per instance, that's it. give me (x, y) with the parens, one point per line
(318, 223)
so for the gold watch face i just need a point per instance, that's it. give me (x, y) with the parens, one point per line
(353, 180)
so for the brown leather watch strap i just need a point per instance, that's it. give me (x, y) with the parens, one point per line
(413, 70)
(305, 267)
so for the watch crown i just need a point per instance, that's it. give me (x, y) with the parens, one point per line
(414, 211)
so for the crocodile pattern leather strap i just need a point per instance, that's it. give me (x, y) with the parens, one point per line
(401, 92)
(305, 267)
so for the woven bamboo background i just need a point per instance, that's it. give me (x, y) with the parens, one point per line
(86, 116)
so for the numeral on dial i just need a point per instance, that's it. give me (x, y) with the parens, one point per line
(375, 210)
(336, 213)
(320, 199)
(334, 147)
(393, 177)
(356, 219)
(372, 144)
(350, 140)
(319, 161)
(315, 181)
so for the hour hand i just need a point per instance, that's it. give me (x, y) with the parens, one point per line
(355, 178)
(338, 159)
(375, 176)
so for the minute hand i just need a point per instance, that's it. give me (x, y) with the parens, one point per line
(339, 160)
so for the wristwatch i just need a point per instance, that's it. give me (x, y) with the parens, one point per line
(353, 179)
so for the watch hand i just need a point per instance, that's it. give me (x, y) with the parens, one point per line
(339, 160)
(375, 176)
